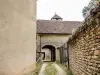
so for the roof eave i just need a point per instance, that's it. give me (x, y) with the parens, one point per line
(57, 33)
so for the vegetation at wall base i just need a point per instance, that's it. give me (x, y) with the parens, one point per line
(36, 71)
(69, 72)
(63, 66)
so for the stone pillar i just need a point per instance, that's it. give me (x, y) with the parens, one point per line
(17, 36)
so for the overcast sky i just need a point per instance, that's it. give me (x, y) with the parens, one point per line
(69, 10)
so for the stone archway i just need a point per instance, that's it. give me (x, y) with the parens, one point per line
(50, 51)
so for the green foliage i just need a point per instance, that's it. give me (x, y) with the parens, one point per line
(69, 72)
(97, 0)
(50, 70)
(86, 9)
(36, 71)
(66, 59)
(38, 67)
(64, 67)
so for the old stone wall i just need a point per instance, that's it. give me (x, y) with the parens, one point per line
(55, 40)
(17, 36)
(84, 48)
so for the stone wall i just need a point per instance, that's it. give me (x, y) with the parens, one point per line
(55, 40)
(84, 48)
(51, 39)
(17, 36)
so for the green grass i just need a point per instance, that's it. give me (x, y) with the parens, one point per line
(50, 70)
(38, 67)
(64, 66)
(69, 72)
(36, 71)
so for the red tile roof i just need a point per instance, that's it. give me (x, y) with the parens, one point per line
(56, 27)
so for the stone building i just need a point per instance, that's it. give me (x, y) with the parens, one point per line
(51, 34)
(17, 51)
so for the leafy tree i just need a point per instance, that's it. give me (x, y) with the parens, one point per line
(86, 9)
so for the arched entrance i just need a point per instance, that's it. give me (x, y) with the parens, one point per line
(52, 52)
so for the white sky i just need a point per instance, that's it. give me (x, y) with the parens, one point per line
(69, 10)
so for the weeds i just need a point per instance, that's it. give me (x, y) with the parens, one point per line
(36, 71)
(50, 70)
(69, 72)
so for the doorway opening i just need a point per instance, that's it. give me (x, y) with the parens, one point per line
(50, 53)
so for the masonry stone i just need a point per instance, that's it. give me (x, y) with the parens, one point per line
(55, 40)
(84, 48)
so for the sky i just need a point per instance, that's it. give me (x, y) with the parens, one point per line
(69, 10)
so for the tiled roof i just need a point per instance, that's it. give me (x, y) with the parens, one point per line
(56, 17)
(56, 27)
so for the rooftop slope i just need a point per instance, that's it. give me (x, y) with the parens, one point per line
(57, 27)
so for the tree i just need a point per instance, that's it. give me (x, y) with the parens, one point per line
(86, 9)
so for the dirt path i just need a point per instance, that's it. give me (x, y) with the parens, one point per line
(42, 69)
(60, 71)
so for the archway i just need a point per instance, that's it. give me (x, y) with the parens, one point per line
(52, 51)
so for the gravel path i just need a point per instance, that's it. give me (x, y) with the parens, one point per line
(60, 71)
(42, 69)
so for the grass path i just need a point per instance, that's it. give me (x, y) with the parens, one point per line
(60, 71)
(51, 69)
(42, 69)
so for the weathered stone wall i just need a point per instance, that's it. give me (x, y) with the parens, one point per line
(84, 48)
(52, 39)
(38, 49)
(55, 40)
(17, 36)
